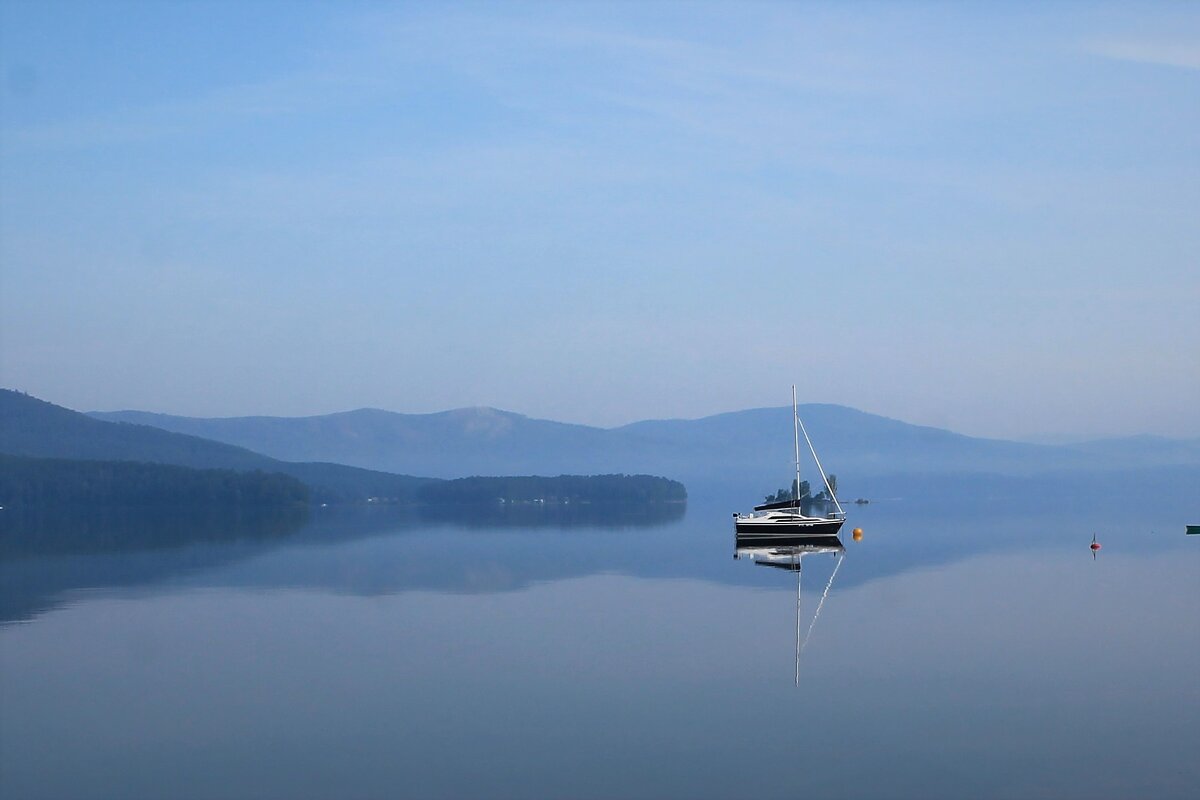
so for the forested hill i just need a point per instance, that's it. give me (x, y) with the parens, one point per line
(35, 428)
(47, 483)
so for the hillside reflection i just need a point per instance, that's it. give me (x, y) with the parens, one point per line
(78, 530)
(557, 515)
(47, 557)
(46, 554)
(382, 549)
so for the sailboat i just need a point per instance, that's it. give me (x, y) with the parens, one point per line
(785, 518)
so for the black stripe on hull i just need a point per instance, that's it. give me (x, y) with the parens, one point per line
(775, 530)
(807, 544)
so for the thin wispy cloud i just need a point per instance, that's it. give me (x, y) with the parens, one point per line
(201, 114)
(1181, 55)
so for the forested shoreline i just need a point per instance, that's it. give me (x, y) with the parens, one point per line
(560, 489)
(27, 482)
(47, 483)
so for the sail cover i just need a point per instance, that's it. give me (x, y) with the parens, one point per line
(778, 504)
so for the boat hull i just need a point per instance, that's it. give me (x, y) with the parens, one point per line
(791, 529)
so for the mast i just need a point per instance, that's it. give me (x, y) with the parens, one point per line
(796, 425)
(797, 556)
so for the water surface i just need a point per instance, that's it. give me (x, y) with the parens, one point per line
(967, 652)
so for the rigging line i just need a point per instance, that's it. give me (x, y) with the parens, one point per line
(813, 624)
(820, 469)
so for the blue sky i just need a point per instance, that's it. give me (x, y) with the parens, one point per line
(977, 216)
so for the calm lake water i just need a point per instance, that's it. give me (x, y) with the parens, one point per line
(970, 652)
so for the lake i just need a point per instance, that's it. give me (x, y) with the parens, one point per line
(963, 650)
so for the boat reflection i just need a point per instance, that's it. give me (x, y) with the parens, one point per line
(788, 555)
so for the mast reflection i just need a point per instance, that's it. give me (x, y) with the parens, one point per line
(788, 554)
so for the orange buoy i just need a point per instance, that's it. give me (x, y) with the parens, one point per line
(857, 534)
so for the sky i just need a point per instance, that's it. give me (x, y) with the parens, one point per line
(983, 216)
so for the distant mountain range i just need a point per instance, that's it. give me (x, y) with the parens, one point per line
(373, 452)
(754, 444)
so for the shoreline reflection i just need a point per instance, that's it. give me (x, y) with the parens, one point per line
(47, 557)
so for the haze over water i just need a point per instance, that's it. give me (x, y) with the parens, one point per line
(365, 655)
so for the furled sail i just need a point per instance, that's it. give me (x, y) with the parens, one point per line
(778, 504)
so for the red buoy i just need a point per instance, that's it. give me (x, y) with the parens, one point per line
(1095, 545)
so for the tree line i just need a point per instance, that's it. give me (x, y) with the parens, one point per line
(559, 489)
(805, 493)
(27, 482)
